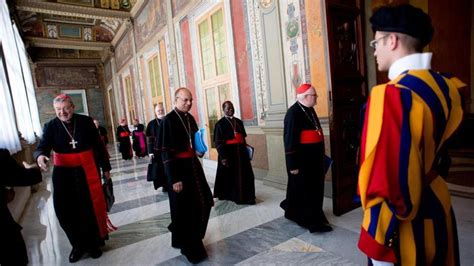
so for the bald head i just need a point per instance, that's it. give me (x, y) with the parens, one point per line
(159, 110)
(183, 99)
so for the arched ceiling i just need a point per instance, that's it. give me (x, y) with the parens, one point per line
(73, 24)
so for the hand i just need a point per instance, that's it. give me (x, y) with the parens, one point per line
(29, 166)
(107, 175)
(295, 171)
(177, 187)
(150, 155)
(43, 162)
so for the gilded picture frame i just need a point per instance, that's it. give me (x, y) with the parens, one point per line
(70, 31)
(79, 99)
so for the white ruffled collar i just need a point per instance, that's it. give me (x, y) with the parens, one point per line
(410, 62)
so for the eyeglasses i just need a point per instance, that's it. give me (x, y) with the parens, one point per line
(373, 43)
(185, 99)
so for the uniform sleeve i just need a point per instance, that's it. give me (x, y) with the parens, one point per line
(46, 143)
(14, 174)
(291, 140)
(390, 176)
(219, 140)
(241, 125)
(99, 146)
(164, 144)
(148, 131)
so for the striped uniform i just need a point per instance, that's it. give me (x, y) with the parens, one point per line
(407, 214)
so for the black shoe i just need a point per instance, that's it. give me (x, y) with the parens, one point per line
(76, 254)
(195, 257)
(175, 244)
(322, 228)
(95, 253)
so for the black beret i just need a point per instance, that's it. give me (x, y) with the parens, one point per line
(403, 18)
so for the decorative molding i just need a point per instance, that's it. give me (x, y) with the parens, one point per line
(256, 44)
(137, 7)
(66, 44)
(266, 4)
(70, 10)
(68, 61)
(107, 53)
(188, 9)
(121, 31)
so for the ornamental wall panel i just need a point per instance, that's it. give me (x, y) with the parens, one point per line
(67, 77)
(149, 22)
(124, 51)
(242, 56)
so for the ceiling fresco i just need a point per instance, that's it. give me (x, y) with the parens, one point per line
(72, 24)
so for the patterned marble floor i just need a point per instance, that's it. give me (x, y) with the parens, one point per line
(237, 234)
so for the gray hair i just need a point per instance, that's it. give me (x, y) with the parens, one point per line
(63, 98)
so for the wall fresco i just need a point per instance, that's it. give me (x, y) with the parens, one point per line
(107, 71)
(69, 77)
(178, 5)
(150, 21)
(123, 50)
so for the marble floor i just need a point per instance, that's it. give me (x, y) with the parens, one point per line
(237, 234)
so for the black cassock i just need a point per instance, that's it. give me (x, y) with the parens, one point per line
(305, 190)
(13, 251)
(139, 140)
(236, 181)
(152, 130)
(125, 147)
(71, 194)
(103, 134)
(191, 207)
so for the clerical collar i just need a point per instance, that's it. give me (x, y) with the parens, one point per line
(70, 120)
(180, 112)
(230, 117)
(416, 61)
(302, 105)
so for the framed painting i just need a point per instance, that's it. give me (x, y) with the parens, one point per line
(70, 31)
(79, 99)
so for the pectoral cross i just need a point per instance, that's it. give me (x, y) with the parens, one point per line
(73, 143)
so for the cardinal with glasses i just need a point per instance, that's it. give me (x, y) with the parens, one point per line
(304, 153)
(78, 155)
(189, 194)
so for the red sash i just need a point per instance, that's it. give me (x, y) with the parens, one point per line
(185, 154)
(124, 134)
(141, 139)
(311, 136)
(86, 160)
(238, 139)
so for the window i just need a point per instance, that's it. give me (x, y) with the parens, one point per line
(18, 109)
(213, 43)
(215, 77)
(130, 100)
(214, 99)
(155, 80)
